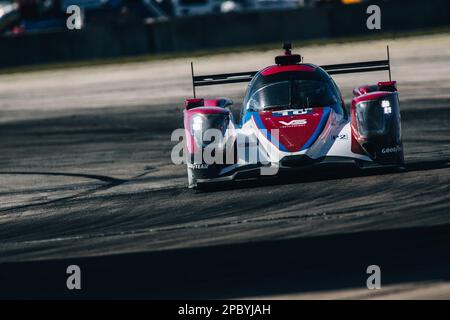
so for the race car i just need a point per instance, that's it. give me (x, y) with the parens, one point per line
(293, 117)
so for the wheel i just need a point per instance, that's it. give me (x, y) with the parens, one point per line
(192, 182)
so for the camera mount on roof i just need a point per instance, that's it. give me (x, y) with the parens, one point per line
(288, 58)
(287, 46)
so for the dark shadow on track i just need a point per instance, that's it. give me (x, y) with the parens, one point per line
(322, 174)
(66, 174)
(249, 269)
(111, 182)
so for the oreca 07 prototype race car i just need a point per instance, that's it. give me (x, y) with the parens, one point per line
(293, 117)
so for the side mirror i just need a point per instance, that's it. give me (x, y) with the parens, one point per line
(225, 102)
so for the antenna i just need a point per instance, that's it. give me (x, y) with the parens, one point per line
(287, 47)
(192, 74)
(389, 62)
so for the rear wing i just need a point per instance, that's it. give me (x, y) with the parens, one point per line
(208, 80)
(355, 67)
(343, 68)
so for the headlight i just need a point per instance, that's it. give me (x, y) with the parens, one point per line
(373, 117)
(197, 122)
(200, 124)
(386, 105)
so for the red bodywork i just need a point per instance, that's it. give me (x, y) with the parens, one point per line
(209, 106)
(366, 93)
(277, 69)
(294, 130)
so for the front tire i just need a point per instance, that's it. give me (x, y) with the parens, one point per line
(192, 182)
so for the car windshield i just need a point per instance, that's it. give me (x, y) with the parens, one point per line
(292, 94)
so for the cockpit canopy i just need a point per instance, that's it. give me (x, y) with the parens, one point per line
(292, 90)
(291, 94)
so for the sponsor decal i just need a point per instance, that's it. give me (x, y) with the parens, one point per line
(295, 112)
(341, 136)
(200, 166)
(391, 149)
(292, 123)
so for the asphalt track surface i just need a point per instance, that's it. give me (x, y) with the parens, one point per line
(86, 179)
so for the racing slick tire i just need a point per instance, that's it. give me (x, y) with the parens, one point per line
(192, 182)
